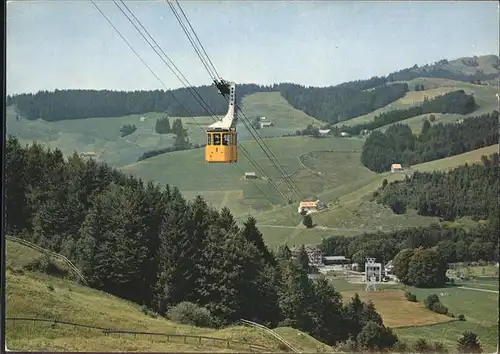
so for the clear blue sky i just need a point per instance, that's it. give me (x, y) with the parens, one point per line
(63, 44)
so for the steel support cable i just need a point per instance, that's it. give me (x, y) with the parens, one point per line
(166, 88)
(196, 36)
(186, 83)
(247, 123)
(269, 154)
(190, 40)
(283, 172)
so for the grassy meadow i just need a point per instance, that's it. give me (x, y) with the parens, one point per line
(36, 295)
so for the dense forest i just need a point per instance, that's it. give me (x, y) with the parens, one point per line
(464, 191)
(339, 103)
(147, 244)
(457, 102)
(454, 244)
(76, 104)
(398, 144)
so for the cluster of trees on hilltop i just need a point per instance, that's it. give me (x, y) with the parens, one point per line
(457, 102)
(438, 71)
(464, 191)
(127, 129)
(149, 245)
(75, 104)
(162, 126)
(398, 144)
(339, 103)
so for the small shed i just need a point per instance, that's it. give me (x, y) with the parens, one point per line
(250, 175)
(396, 167)
(142, 119)
(324, 131)
(266, 124)
(345, 134)
(330, 260)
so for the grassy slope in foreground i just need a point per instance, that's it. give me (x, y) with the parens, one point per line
(28, 295)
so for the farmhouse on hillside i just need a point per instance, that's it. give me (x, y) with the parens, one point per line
(345, 134)
(250, 175)
(306, 207)
(266, 124)
(396, 167)
(88, 154)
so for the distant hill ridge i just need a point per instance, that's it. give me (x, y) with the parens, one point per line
(76, 104)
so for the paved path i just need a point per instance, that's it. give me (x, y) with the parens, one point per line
(317, 228)
(478, 289)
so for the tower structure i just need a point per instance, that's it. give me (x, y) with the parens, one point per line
(373, 274)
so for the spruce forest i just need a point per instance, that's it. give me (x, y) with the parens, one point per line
(148, 244)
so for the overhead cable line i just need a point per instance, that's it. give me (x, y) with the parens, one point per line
(270, 155)
(171, 93)
(274, 160)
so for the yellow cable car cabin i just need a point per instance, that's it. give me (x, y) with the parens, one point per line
(221, 146)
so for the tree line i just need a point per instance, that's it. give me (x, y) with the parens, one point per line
(76, 104)
(469, 190)
(339, 103)
(146, 243)
(457, 102)
(398, 144)
(452, 245)
(438, 70)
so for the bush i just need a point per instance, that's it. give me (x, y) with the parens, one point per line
(421, 346)
(147, 311)
(432, 118)
(430, 301)
(439, 347)
(469, 343)
(461, 317)
(438, 307)
(307, 221)
(45, 264)
(191, 314)
(375, 336)
(410, 297)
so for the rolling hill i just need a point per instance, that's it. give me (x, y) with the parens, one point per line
(30, 294)
(327, 168)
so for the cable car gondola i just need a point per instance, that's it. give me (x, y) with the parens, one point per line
(222, 143)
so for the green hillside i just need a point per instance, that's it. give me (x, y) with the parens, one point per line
(355, 212)
(328, 168)
(37, 295)
(484, 95)
(188, 171)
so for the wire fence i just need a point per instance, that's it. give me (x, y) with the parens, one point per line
(286, 344)
(50, 253)
(168, 337)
